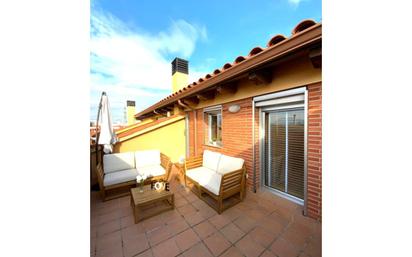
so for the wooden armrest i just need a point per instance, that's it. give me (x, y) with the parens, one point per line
(233, 179)
(166, 164)
(164, 160)
(193, 162)
(100, 174)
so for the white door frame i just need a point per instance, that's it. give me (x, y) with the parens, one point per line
(282, 98)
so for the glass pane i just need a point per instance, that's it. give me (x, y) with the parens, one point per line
(219, 128)
(213, 128)
(277, 137)
(296, 137)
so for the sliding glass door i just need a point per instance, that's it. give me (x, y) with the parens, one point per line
(285, 151)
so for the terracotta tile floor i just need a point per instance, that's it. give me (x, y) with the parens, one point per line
(262, 225)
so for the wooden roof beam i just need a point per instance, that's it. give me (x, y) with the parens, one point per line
(192, 101)
(261, 76)
(206, 95)
(166, 108)
(315, 56)
(229, 88)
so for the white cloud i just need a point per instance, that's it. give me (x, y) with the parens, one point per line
(130, 64)
(295, 2)
(176, 41)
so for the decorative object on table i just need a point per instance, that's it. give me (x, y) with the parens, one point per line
(160, 185)
(140, 179)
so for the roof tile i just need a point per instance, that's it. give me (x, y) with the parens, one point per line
(275, 40)
(227, 66)
(239, 59)
(303, 25)
(255, 50)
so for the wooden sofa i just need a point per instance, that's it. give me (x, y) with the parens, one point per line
(215, 178)
(117, 174)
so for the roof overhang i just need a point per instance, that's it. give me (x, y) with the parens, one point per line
(294, 43)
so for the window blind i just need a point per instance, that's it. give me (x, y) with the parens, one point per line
(296, 153)
(285, 151)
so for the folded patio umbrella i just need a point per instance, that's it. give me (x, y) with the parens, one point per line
(107, 136)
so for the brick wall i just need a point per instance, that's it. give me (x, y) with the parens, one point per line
(237, 141)
(236, 135)
(314, 195)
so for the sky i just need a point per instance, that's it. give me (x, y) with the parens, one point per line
(132, 43)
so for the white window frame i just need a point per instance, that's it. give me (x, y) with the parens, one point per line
(212, 110)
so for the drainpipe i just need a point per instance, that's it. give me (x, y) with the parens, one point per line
(184, 105)
(195, 114)
(179, 102)
(253, 145)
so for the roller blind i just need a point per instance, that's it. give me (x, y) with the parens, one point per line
(284, 100)
(277, 150)
(285, 151)
(295, 151)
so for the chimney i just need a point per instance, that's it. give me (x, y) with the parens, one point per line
(130, 112)
(180, 72)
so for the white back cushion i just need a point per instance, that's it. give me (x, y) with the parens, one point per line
(228, 164)
(211, 159)
(118, 161)
(147, 158)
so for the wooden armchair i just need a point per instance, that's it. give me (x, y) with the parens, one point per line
(232, 185)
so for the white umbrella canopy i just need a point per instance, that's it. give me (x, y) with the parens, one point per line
(107, 137)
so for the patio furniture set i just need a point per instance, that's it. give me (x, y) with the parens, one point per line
(217, 179)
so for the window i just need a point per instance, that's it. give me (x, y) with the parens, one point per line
(213, 126)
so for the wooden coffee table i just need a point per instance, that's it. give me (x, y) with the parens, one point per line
(150, 202)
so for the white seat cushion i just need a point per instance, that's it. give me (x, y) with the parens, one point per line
(147, 158)
(200, 174)
(206, 177)
(119, 177)
(118, 161)
(228, 164)
(211, 159)
(151, 171)
(213, 183)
